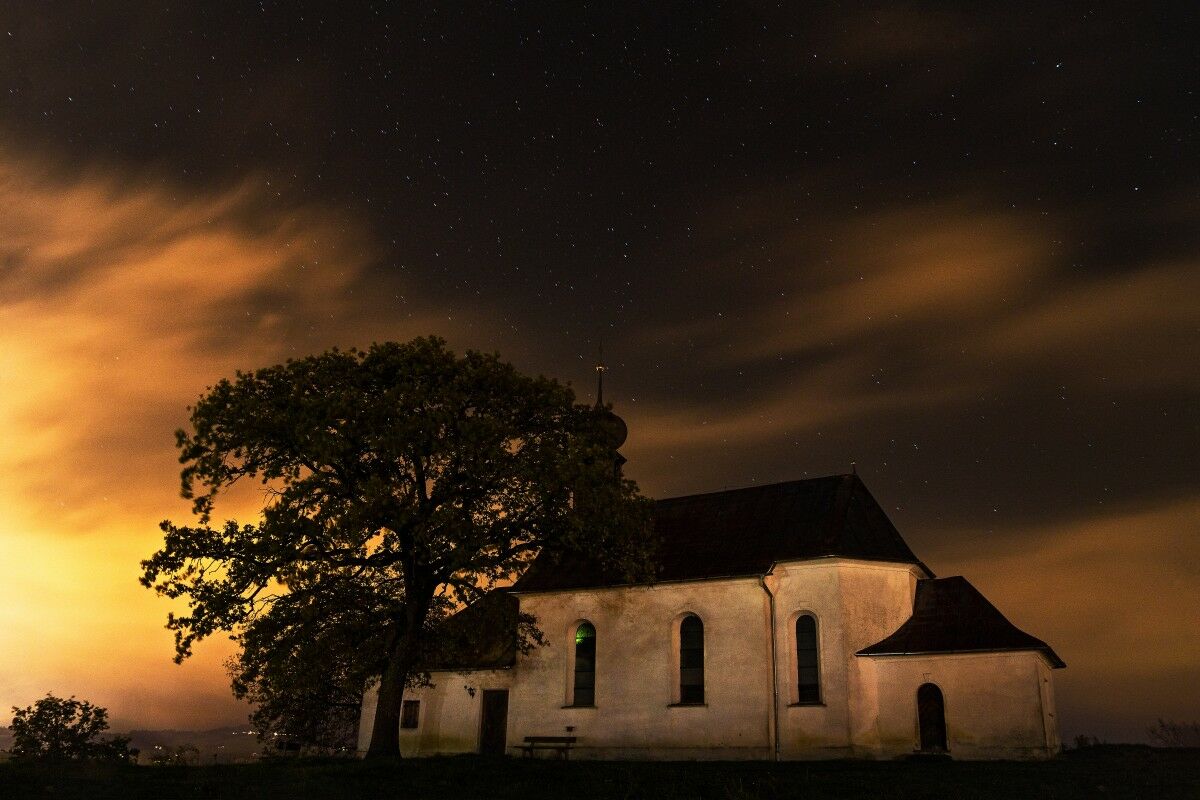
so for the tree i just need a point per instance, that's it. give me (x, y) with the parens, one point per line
(305, 672)
(1167, 733)
(54, 729)
(402, 484)
(306, 678)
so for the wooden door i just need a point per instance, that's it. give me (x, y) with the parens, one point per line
(931, 718)
(493, 728)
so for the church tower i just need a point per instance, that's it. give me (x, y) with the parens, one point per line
(614, 428)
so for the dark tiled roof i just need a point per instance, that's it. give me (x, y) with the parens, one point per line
(745, 531)
(951, 616)
(481, 636)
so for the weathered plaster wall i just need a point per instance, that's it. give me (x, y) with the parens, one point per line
(998, 705)
(636, 672)
(855, 603)
(449, 716)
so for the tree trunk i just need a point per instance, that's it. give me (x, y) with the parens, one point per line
(385, 730)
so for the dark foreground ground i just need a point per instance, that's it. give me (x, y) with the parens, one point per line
(1093, 773)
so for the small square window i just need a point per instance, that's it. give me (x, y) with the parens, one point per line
(409, 713)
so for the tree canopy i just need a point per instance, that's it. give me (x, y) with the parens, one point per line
(58, 729)
(402, 483)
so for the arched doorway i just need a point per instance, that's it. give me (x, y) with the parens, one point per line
(931, 717)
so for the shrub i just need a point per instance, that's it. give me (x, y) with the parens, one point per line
(54, 729)
(1174, 734)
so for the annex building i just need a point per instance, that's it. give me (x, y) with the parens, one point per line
(788, 621)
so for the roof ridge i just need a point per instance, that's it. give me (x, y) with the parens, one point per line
(744, 531)
(751, 487)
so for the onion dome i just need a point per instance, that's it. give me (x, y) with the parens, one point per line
(615, 429)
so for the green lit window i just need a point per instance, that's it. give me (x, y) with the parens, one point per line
(691, 660)
(585, 665)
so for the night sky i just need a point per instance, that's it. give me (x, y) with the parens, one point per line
(959, 249)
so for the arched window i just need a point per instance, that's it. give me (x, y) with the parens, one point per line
(691, 660)
(931, 718)
(585, 665)
(808, 679)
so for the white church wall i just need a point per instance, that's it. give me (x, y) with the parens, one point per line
(637, 672)
(449, 717)
(997, 705)
(855, 603)
(1049, 707)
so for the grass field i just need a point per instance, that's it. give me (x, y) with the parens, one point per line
(1100, 772)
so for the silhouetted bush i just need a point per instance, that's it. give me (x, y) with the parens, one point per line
(54, 729)
(1174, 734)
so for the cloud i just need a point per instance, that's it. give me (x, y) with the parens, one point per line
(957, 289)
(1135, 328)
(120, 301)
(830, 394)
(940, 266)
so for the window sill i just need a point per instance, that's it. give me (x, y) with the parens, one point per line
(572, 705)
(809, 704)
(687, 705)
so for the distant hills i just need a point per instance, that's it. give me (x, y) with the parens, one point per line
(222, 745)
(219, 745)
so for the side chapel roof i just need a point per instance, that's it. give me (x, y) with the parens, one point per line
(951, 616)
(743, 532)
(481, 636)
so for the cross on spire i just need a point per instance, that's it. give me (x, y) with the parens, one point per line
(612, 426)
(600, 369)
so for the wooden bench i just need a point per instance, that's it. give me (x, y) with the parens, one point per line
(562, 744)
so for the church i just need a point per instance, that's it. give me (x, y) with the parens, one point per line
(788, 621)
